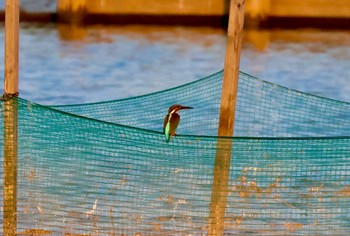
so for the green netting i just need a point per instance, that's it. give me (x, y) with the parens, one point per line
(263, 110)
(88, 173)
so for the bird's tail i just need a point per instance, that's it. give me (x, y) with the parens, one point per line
(167, 137)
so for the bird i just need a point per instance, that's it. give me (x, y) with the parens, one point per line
(171, 121)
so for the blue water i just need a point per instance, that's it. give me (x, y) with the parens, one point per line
(62, 65)
(34, 5)
(103, 63)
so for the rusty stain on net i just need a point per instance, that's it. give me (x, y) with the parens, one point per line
(111, 218)
(234, 221)
(32, 175)
(36, 232)
(157, 227)
(345, 192)
(167, 199)
(245, 190)
(72, 234)
(292, 227)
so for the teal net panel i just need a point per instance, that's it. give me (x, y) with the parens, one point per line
(263, 110)
(105, 168)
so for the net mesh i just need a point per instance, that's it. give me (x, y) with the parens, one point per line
(263, 110)
(105, 168)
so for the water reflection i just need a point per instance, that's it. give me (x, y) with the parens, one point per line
(220, 187)
(64, 64)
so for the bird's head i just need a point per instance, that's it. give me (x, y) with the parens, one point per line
(177, 107)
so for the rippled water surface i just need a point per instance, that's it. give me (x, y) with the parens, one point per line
(64, 65)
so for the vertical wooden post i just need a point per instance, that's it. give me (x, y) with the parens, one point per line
(71, 11)
(10, 116)
(231, 68)
(11, 47)
(10, 167)
(227, 115)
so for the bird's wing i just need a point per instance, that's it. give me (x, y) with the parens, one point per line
(174, 122)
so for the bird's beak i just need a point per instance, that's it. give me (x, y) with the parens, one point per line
(184, 107)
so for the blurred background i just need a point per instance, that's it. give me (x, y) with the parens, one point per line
(96, 50)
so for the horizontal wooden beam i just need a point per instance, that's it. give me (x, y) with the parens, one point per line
(159, 7)
(310, 8)
(254, 8)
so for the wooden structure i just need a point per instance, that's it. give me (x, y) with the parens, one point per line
(71, 11)
(10, 116)
(11, 47)
(266, 13)
(255, 9)
(227, 117)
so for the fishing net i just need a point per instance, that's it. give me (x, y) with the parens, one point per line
(263, 110)
(105, 168)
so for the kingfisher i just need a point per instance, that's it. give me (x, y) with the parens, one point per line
(172, 120)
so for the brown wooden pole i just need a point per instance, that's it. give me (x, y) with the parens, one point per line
(11, 47)
(10, 116)
(231, 68)
(10, 167)
(220, 185)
